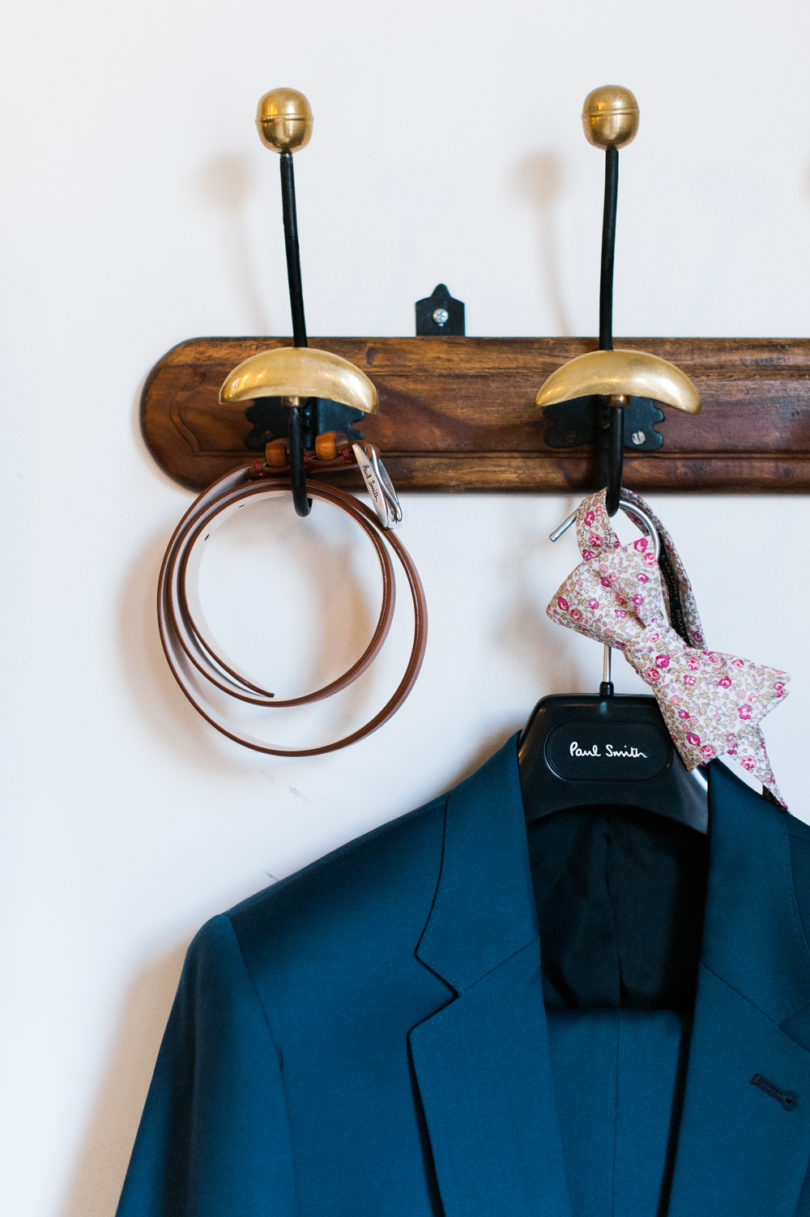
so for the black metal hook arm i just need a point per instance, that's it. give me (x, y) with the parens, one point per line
(612, 420)
(295, 432)
(291, 246)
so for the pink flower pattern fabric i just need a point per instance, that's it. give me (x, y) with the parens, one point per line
(712, 703)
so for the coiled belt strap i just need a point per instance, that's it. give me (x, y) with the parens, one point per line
(192, 653)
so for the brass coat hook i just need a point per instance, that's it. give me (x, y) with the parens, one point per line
(610, 119)
(318, 390)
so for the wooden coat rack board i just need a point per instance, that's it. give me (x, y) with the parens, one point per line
(459, 414)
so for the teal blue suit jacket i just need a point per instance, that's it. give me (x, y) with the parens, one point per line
(368, 1038)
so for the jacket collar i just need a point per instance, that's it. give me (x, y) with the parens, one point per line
(483, 1064)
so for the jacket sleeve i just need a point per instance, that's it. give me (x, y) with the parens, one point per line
(213, 1140)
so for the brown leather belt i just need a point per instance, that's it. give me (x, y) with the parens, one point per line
(192, 653)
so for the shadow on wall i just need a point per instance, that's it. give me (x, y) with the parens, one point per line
(538, 182)
(532, 566)
(148, 677)
(224, 184)
(99, 1175)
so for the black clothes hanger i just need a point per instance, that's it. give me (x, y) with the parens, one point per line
(579, 750)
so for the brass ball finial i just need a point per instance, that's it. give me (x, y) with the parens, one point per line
(610, 117)
(284, 119)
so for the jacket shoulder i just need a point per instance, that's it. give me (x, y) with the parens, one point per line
(372, 896)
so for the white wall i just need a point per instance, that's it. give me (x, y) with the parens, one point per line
(140, 209)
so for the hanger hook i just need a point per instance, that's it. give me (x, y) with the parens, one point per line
(632, 509)
(629, 508)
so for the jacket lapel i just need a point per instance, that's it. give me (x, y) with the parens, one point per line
(482, 1062)
(744, 1138)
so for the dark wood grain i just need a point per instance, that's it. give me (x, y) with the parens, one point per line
(458, 414)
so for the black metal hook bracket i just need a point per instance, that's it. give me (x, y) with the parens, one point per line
(273, 418)
(270, 419)
(586, 420)
(440, 315)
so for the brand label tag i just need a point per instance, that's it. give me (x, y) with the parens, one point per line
(602, 752)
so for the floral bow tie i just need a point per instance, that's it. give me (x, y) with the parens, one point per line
(711, 703)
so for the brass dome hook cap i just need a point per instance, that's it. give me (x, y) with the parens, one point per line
(610, 117)
(620, 375)
(296, 373)
(284, 120)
